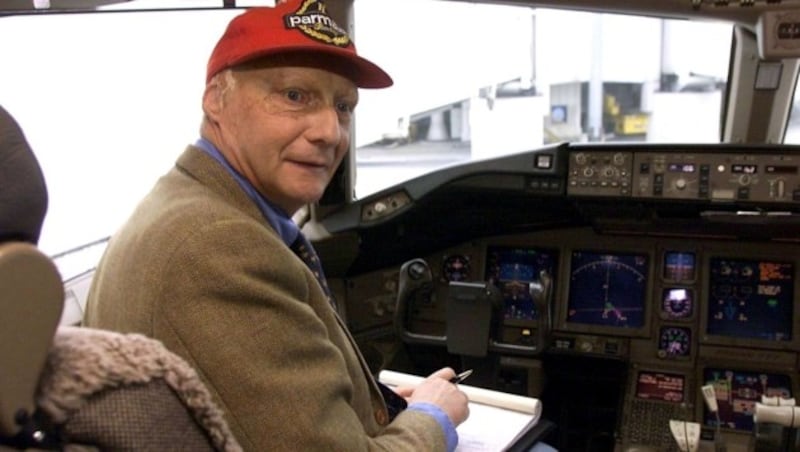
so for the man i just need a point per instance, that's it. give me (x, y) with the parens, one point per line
(206, 262)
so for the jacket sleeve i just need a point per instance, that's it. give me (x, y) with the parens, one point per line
(248, 315)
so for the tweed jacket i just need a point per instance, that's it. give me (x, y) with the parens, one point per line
(199, 268)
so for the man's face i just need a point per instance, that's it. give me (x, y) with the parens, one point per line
(285, 128)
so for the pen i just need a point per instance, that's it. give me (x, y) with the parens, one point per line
(461, 377)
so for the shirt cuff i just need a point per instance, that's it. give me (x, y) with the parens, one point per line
(443, 419)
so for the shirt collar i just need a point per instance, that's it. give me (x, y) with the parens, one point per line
(275, 216)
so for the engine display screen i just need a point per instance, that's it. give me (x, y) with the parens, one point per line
(607, 289)
(512, 270)
(737, 393)
(750, 299)
(659, 386)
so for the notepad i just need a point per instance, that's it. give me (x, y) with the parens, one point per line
(497, 420)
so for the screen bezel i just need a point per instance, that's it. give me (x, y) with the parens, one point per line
(563, 306)
(704, 338)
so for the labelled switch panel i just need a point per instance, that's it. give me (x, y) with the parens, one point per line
(599, 173)
(385, 206)
(717, 177)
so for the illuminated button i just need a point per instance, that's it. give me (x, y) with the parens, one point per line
(544, 161)
(380, 207)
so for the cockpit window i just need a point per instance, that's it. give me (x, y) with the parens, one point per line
(476, 81)
(109, 100)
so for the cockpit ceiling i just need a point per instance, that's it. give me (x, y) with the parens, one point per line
(28, 5)
(744, 12)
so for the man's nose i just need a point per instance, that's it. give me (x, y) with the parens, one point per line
(325, 126)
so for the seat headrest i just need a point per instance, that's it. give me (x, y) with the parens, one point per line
(23, 193)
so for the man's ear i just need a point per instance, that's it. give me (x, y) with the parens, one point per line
(212, 98)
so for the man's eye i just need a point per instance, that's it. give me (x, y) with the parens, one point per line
(344, 107)
(294, 95)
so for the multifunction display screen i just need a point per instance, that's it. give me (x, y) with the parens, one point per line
(750, 299)
(512, 270)
(607, 289)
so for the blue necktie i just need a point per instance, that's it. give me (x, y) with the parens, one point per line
(308, 255)
(301, 246)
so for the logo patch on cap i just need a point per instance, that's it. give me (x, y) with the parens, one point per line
(312, 20)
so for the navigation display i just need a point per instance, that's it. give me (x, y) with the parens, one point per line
(659, 386)
(750, 299)
(737, 393)
(607, 289)
(512, 270)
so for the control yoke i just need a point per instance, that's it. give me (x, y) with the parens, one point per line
(415, 285)
(473, 311)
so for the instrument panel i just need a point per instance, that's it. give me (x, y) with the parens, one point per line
(678, 265)
(677, 312)
(689, 175)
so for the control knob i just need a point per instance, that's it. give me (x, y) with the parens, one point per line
(744, 179)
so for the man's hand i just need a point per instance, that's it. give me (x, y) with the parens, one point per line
(438, 390)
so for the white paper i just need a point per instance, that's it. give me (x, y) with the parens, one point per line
(495, 418)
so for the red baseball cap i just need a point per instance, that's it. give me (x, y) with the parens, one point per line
(293, 26)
